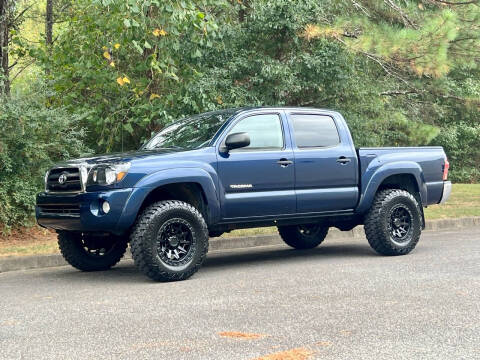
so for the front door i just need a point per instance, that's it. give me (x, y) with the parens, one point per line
(258, 180)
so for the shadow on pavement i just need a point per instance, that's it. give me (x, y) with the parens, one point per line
(285, 254)
(127, 272)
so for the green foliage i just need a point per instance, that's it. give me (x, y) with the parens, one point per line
(32, 138)
(123, 61)
(424, 50)
(403, 73)
(268, 60)
(456, 139)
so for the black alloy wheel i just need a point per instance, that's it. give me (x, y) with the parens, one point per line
(176, 243)
(400, 225)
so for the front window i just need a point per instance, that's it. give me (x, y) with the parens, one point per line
(264, 130)
(190, 133)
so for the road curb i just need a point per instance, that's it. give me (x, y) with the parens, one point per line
(228, 243)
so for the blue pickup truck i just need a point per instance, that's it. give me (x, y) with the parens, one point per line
(293, 168)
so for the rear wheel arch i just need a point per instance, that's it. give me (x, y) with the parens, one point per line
(406, 176)
(406, 182)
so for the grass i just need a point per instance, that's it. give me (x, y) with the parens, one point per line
(48, 247)
(464, 202)
(28, 241)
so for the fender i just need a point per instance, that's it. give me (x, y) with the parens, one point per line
(376, 173)
(170, 176)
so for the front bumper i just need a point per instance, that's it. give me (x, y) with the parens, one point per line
(82, 212)
(447, 189)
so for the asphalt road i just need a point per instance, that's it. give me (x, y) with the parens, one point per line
(339, 301)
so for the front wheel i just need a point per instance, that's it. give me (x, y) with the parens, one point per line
(91, 252)
(303, 236)
(169, 241)
(394, 223)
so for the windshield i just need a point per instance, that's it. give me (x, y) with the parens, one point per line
(190, 133)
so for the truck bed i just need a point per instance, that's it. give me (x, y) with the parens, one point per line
(430, 159)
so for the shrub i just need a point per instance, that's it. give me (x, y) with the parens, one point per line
(462, 145)
(32, 138)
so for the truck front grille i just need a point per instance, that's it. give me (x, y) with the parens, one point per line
(60, 209)
(64, 180)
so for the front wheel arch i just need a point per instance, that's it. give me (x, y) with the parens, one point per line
(189, 192)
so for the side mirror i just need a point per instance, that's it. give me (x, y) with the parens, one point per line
(236, 140)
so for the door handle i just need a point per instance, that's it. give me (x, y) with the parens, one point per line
(284, 162)
(343, 160)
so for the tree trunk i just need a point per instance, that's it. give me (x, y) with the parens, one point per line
(242, 13)
(4, 71)
(49, 23)
(49, 29)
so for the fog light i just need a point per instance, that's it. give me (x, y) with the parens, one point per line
(106, 207)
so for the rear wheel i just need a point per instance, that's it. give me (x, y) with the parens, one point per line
(91, 252)
(394, 223)
(303, 236)
(169, 241)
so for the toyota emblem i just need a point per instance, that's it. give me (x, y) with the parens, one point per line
(62, 179)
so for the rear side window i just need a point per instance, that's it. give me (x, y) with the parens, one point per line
(265, 131)
(314, 131)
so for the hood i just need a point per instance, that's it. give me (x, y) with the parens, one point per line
(144, 162)
(120, 157)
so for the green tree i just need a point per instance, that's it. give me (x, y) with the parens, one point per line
(402, 72)
(120, 62)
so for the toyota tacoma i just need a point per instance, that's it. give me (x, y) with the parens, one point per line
(293, 168)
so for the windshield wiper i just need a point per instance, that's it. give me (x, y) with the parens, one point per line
(175, 147)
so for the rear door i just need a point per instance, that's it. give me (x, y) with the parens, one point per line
(325, 163)
(258, 180)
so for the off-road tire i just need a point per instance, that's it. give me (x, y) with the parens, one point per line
(144, 241)
(378, 225)
(297, 238)
(72, 248)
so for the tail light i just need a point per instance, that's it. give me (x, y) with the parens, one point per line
(446, 166)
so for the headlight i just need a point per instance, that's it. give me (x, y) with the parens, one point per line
(107, 174)
(46, 180)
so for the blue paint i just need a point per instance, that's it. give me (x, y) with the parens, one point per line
(249, 184)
